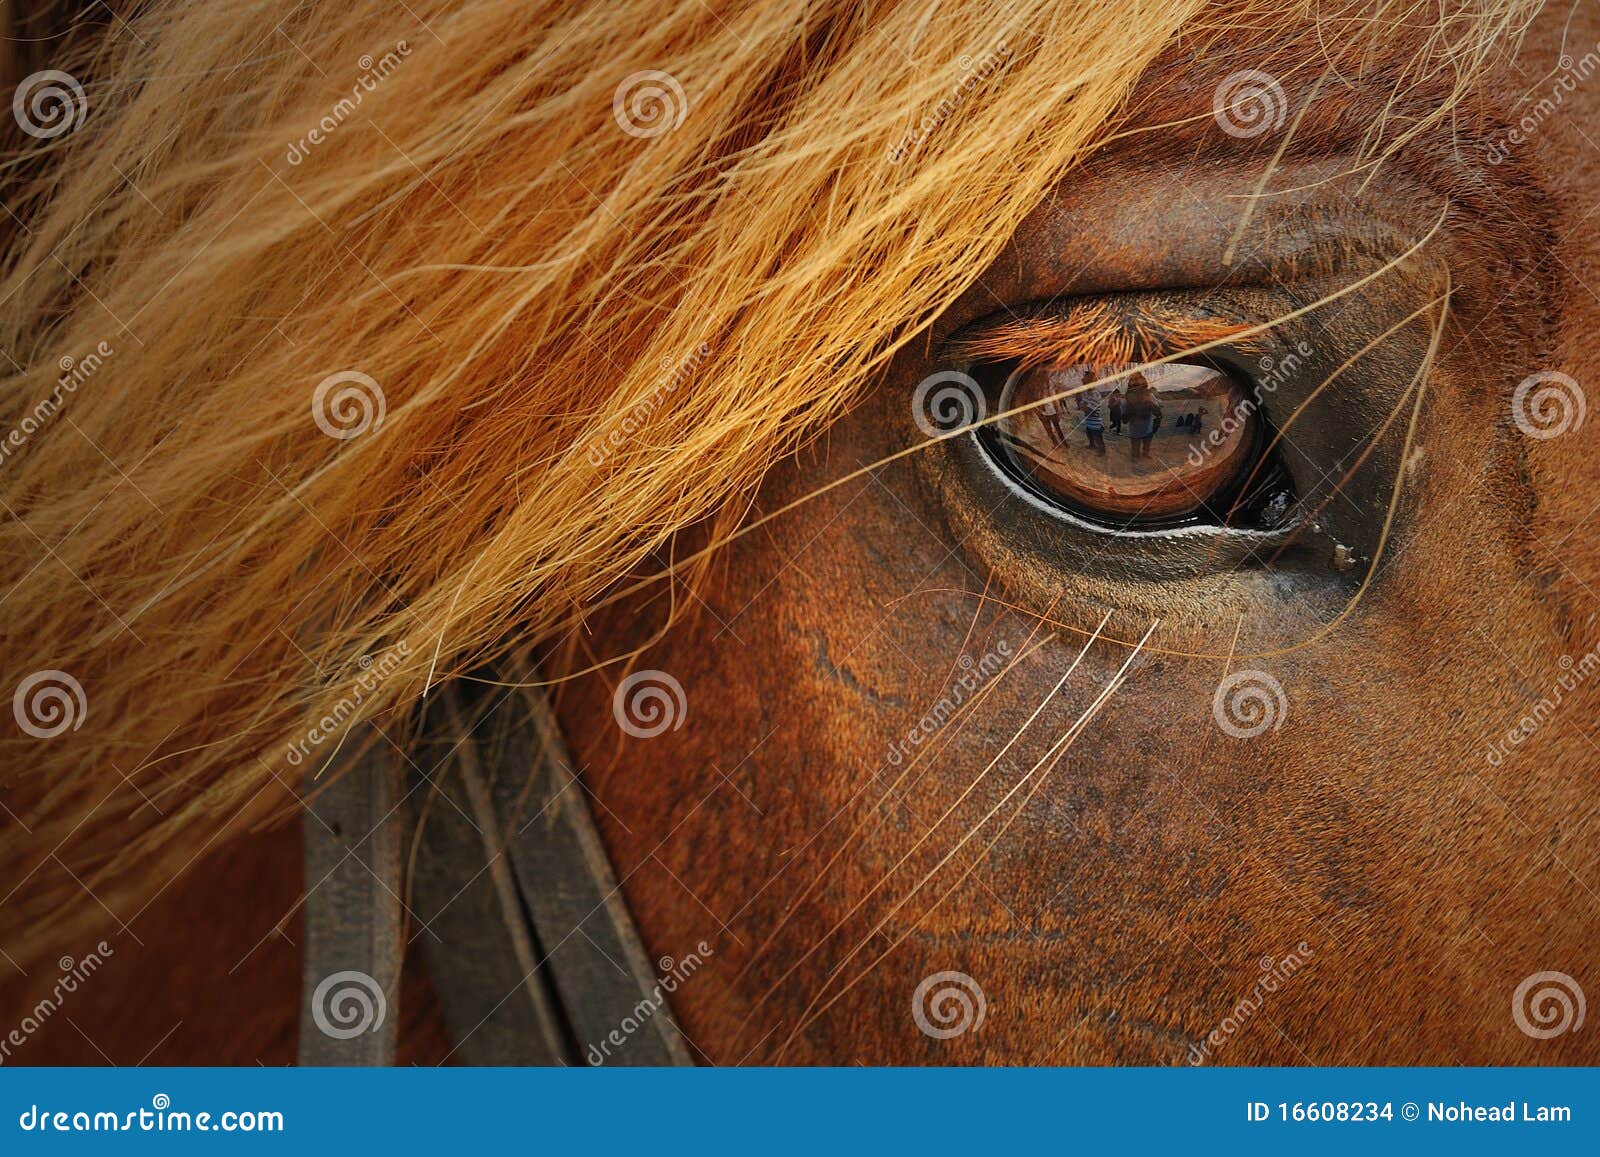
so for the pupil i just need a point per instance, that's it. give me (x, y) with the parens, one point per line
(1169, 443)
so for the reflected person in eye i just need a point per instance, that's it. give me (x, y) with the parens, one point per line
(1089, 405)
(1143, 413)
(1050, 416)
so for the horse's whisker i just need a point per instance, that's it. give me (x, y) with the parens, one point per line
(1057, 748)
(876, 810)
(947, 736)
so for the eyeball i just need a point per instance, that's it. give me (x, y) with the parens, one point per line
(1127, 448)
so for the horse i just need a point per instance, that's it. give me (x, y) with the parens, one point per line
(637, 368)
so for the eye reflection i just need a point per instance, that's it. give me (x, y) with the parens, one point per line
(1171, 444)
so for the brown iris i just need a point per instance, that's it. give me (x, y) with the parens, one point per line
(1163, 445)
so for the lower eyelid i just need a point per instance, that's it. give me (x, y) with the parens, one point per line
(1038, 546)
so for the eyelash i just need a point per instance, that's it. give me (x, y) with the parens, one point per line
(1112, 328)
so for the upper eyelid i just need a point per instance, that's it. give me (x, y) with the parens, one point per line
(1119, 328)
(1085, 248)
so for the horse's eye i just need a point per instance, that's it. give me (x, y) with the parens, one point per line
(1171, 445)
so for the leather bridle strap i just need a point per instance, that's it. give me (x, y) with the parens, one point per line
(530, 946)
(350, 965)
